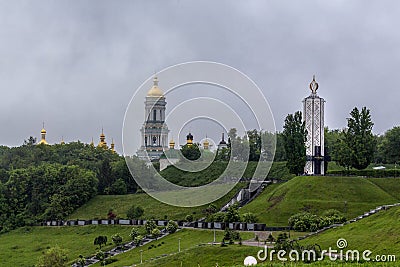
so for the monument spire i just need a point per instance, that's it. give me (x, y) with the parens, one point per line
(314, 85)
(313, 116)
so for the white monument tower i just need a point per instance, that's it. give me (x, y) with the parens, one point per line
(313, 115)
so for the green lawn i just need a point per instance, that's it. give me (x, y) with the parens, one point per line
(208, 256)
(99, 206)
(23, 246)
(233, 256)
(350, 195)
(189, 239)
(379, 233)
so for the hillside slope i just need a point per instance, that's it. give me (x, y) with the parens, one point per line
(379, 233)
(99, 206)
(350, 195)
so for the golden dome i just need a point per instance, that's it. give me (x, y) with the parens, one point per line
(172, 144)
(155, 91)
(43, 131)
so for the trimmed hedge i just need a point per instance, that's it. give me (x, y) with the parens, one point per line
(366, 173)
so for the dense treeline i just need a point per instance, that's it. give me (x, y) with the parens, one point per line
(39, 182)
(386, 147)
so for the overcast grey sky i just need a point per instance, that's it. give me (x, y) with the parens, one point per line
(76, 64)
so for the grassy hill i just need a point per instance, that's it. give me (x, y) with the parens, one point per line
(190, 240)
(350, 195)
(99, 206)
(379, 233)
(175, 175)
(23, 246)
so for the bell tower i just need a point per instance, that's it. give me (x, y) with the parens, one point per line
(154, 131)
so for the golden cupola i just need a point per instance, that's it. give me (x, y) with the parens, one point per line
(172, 144)
(189, 139)
(102, 142)
(43, 136)
(155, 91)
(206, 144)
(112, 145)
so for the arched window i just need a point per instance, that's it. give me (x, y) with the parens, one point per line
(154, 115)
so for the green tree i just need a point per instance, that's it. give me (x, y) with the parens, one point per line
(359, 138)
(232, 214)
(171, 227)
(117, 239)
(149, 226)
(390, 145)
(100, 240)
(134, 233)
(189, 218)
(294, 136)
(138, 240)
(280, 154)
(155, 233)
(342, 152)
(135, 212)
(249, 217)
(81, 261)
(53, 257)
(255, 145)
(117, 188)
(191, 152)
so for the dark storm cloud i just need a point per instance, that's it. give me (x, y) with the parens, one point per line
(75, 64)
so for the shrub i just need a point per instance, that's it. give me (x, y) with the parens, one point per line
(249, 217)
(306, 221)
(150, 225)
(231, 236)
(111, 215)
(134, 212)
(172, 227)
(189, 218)
(134, 233)
(138, 240)
(117, 239)
(155, 233)
(54, 257)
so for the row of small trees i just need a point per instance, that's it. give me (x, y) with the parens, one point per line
(306, 221)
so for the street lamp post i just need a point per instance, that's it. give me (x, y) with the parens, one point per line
(141, 256)
(179, 244)
(214, 237)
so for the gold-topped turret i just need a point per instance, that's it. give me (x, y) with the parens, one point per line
(102, 142)
(112, 145)
(43, 136)
(206, 144)
(62, 141)
(172, 144)
(189, 139)
(155, 91)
